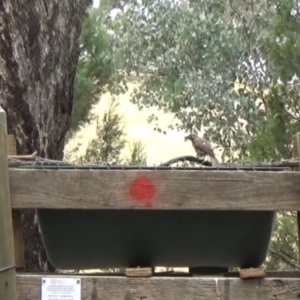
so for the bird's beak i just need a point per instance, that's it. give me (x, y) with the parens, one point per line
(186, 138)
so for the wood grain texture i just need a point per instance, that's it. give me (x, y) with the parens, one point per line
(139, 272)
(7, 256)
(18, 240)
(174, 189)
(253, 273)
(197, 288)
(270, 274)
(16, 215)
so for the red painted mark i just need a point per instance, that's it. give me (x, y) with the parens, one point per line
(143, 190)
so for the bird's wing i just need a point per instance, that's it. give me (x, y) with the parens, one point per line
(204, 141)
(205, 148)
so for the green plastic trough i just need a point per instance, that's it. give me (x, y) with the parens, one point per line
(77, 239)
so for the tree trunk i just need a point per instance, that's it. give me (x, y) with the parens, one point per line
(38, 56)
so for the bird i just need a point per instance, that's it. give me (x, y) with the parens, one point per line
(202, 148)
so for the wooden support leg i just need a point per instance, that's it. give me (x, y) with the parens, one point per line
(139, 272)
(7, 260)
(252, 273)
(16, 216)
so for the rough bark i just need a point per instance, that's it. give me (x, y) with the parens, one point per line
(38, 56)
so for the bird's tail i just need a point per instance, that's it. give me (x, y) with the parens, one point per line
(214, 161)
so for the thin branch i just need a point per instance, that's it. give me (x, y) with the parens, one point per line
(292, 258)
(186, 158)
(32, 156)
(283, 259)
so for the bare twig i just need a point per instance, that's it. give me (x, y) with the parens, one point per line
(32, 156)
(282, 163)
(186, 158)
(284, 259)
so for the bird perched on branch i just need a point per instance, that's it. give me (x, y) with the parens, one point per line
(202, 148)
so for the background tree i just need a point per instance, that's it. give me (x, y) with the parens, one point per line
(94, 69)
(38, 57)
(110, 141)
(274, 139)
(110, 138)
(189, 56)
(283, 100)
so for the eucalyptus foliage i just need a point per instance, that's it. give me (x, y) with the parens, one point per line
(283, 100)
(189, 56)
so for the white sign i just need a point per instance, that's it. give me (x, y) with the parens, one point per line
(58, 288)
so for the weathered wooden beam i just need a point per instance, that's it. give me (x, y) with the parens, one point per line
(16, 215)
(269, 274)
(163, 189)
(175, 288)
(7, 257)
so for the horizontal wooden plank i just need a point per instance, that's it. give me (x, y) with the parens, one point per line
(163, 189)
(184, 288)
(270, 274)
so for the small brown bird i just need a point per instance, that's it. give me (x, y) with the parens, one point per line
(202, 148)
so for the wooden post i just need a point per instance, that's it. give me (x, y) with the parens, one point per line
(16, 215)
(297, 146)
(7, 258)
